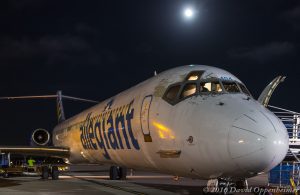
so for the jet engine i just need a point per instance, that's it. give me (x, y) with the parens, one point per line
(40, 137)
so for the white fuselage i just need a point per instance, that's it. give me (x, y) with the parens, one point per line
(207, 135)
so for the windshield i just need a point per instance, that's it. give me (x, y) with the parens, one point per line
(244, 89)
(193, 85)
(213, 86)
(231, 87)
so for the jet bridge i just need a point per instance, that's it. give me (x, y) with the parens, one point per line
(291, 120)
(287, 173)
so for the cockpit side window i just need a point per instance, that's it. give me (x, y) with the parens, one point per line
(188, 90)
(172, 93)
(194, 76)
(244, 89)
(204, 87)
(231, 87)
(213, 86)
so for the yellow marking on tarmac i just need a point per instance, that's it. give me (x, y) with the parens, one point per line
(294, 187)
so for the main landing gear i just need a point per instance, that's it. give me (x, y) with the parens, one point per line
(50, 171)
(117, 173)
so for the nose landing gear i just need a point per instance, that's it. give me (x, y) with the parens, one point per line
(50, 171)
(225, 185)
(117, 173)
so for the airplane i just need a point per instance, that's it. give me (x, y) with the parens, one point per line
(192, 121)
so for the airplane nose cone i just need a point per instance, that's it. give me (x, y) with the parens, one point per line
(257, 141)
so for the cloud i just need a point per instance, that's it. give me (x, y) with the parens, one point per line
(264, 53)
(53, 50)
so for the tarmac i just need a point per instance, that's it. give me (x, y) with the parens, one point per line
(94, 180)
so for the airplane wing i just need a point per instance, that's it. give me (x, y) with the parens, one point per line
(37, 151)
(265, 96)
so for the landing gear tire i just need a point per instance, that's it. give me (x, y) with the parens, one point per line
(225, 186)
(219, 186)
(55, 173)
(113, 173)
(122, 173)
(45, 172)
(241, 184)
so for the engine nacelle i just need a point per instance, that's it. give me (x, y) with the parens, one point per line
(40, 137)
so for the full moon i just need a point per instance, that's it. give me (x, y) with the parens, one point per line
(188, 13)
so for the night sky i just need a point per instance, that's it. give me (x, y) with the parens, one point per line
(96, 49)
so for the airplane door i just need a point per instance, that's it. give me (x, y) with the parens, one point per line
(145, 109)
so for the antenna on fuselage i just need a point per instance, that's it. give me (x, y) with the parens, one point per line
(155, 73)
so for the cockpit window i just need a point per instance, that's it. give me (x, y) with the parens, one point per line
(172, 92)
(188, 90)
(193, 85)
(193, 76)
(244, 89)
(231, 87)
(214, 86)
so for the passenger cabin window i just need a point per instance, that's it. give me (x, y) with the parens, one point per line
(188, 90)
(244, 89)
(231, 87)
(194, 76)
(214, 86)
(172, 92)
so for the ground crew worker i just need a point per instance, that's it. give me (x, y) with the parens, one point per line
(31, 162)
